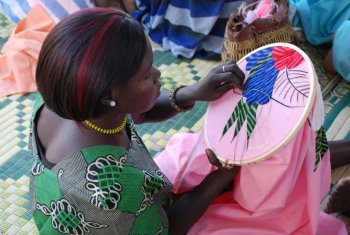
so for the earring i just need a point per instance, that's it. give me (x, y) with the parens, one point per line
(112, 103)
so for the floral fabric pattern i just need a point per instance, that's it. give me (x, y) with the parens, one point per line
(101, 189)
(66, 219)
(37, 168)
(102, 177)
(152, 185)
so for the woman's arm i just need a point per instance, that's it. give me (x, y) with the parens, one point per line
(340, 153)
(210, 88)
(195, 202)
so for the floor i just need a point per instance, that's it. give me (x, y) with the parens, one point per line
(15, 113)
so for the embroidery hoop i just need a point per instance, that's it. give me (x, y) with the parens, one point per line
(264, 154)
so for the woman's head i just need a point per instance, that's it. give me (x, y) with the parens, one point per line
(84, 57)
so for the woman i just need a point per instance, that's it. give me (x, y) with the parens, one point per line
(326, 21)
(92, 171)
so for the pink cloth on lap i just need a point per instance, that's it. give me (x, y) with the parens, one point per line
(280, 195)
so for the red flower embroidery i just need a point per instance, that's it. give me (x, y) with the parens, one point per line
(286, 58)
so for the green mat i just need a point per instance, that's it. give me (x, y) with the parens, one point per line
(15, 112)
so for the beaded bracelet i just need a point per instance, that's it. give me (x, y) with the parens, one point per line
(172, 95)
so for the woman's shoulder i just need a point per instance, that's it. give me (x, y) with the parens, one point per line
(104, 151)
(69, 144)
(60, 139)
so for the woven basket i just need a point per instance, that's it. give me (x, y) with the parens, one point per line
(239, 41)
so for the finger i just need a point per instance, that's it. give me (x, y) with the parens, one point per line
(212, 158)
(228, 78)
(220, 69)
(222, 89)
(233, 68)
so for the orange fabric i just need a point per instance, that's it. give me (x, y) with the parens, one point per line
(20, 53)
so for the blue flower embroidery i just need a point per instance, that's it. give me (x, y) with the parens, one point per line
(262, 77)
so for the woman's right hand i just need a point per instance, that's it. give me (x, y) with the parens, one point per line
(196, 201)
(228, 171)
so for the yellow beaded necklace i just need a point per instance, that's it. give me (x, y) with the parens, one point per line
(106, 131)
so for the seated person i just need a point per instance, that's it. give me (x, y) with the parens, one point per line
(92, 172)
(338, 57)
(324, 21)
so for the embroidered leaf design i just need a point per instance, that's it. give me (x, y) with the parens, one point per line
(236, 112)
(292, 87)
(251, 118)
(321, 145)
(240, 114)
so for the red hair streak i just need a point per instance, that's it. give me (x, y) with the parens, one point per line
(92, 56)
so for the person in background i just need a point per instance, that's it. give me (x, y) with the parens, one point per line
(326, 21)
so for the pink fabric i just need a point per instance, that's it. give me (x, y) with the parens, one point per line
(20, 53)
(280, 195)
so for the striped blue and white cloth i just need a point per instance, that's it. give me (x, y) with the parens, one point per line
(57, 9)
(188, 28)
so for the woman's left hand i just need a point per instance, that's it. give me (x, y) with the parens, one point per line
(218, 81)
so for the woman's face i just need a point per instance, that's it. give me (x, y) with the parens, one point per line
(142, 90)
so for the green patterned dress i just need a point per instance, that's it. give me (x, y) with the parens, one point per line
(99, 190)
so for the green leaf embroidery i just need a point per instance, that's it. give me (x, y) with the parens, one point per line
(241, 118)
(233, 117)
(251, 119)
(240, 114)
(321, 145)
